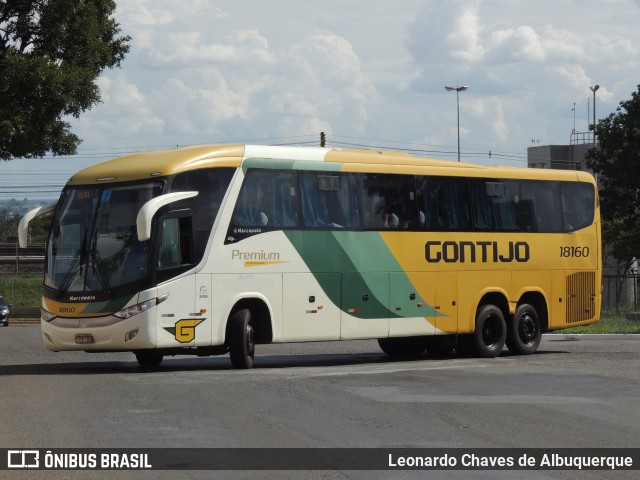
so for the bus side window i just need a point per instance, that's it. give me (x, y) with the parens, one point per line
(211, 185)
(268, 198)
(444, 204)
(578, 205)
(495, 205)
(389, 202)
(328, 200)
(175, 243)
(542, 205)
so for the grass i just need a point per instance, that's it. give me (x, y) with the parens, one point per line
(21, 290)
(610, 322)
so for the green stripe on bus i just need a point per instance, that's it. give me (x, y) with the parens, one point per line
(323, 253)
(365, 262)
(369, 252)
(110, 306)
(278, 164)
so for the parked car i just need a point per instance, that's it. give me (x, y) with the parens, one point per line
(4, 312)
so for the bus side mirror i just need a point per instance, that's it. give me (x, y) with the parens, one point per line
(149, 209)
(23, 226)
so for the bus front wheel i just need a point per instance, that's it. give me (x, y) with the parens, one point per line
(242, 342)
(524, 334)
(491, 332)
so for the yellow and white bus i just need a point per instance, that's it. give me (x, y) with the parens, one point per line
(213, 249)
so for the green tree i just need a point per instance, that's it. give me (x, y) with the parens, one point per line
(51, 53)
(617, 163)
(8, 225)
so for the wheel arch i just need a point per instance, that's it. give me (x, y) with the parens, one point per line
(261, 317)
(537, 300)
(498, 298)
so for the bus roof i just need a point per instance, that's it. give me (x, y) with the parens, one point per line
(160, 163)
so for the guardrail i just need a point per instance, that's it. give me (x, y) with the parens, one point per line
(24, 313)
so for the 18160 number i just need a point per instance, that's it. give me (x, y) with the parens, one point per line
(574, 252)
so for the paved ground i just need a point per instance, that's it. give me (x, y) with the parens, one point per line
(575, 392)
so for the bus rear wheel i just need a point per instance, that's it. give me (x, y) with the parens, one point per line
(524, 334)
(149, 358)
(491, 332)
(242, 342)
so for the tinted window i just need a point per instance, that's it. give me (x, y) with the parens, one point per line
(542, 205)
(175, 243)
(495, 204)
(444, 204)
(388, 201)
(211, 185)
(329, 200)
(578, 204)
(268, 198)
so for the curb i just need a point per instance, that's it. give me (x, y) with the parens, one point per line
(24, 321)
(591, 336)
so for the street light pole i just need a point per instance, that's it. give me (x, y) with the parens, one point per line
(458, 90)
(594, 89)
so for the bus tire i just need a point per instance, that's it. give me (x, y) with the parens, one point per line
(491, 332)
(402, 346)
(242, 342)
(149, 358)
(523, 333)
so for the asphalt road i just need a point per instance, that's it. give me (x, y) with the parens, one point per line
(575, 392)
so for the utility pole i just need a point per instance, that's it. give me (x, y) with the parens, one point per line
(457, 90)
(594, 89)
(323, 140)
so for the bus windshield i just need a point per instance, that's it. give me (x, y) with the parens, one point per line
(94, 246)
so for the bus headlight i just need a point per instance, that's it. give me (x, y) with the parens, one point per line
(46, 315)
(135, 309)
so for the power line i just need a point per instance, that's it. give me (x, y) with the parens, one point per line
(37, 189)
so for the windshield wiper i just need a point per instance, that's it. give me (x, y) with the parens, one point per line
(95, 263)
(72, 268)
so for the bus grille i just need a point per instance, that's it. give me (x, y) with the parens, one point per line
(581, 296)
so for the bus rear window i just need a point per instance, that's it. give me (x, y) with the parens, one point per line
(578, 205)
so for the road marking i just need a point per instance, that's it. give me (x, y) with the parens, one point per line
(389, 394)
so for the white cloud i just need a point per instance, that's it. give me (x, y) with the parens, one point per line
(443, 31)
(522, 44)
(526, 65)
(212, 86)
(464, 39)
(189, 49)
(164, 12)
(217, 71)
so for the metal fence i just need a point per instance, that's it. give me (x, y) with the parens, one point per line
(621, 292)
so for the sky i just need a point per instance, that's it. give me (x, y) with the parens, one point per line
(368, 73)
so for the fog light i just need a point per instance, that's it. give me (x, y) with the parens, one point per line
(130, 335)
(46, 336)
